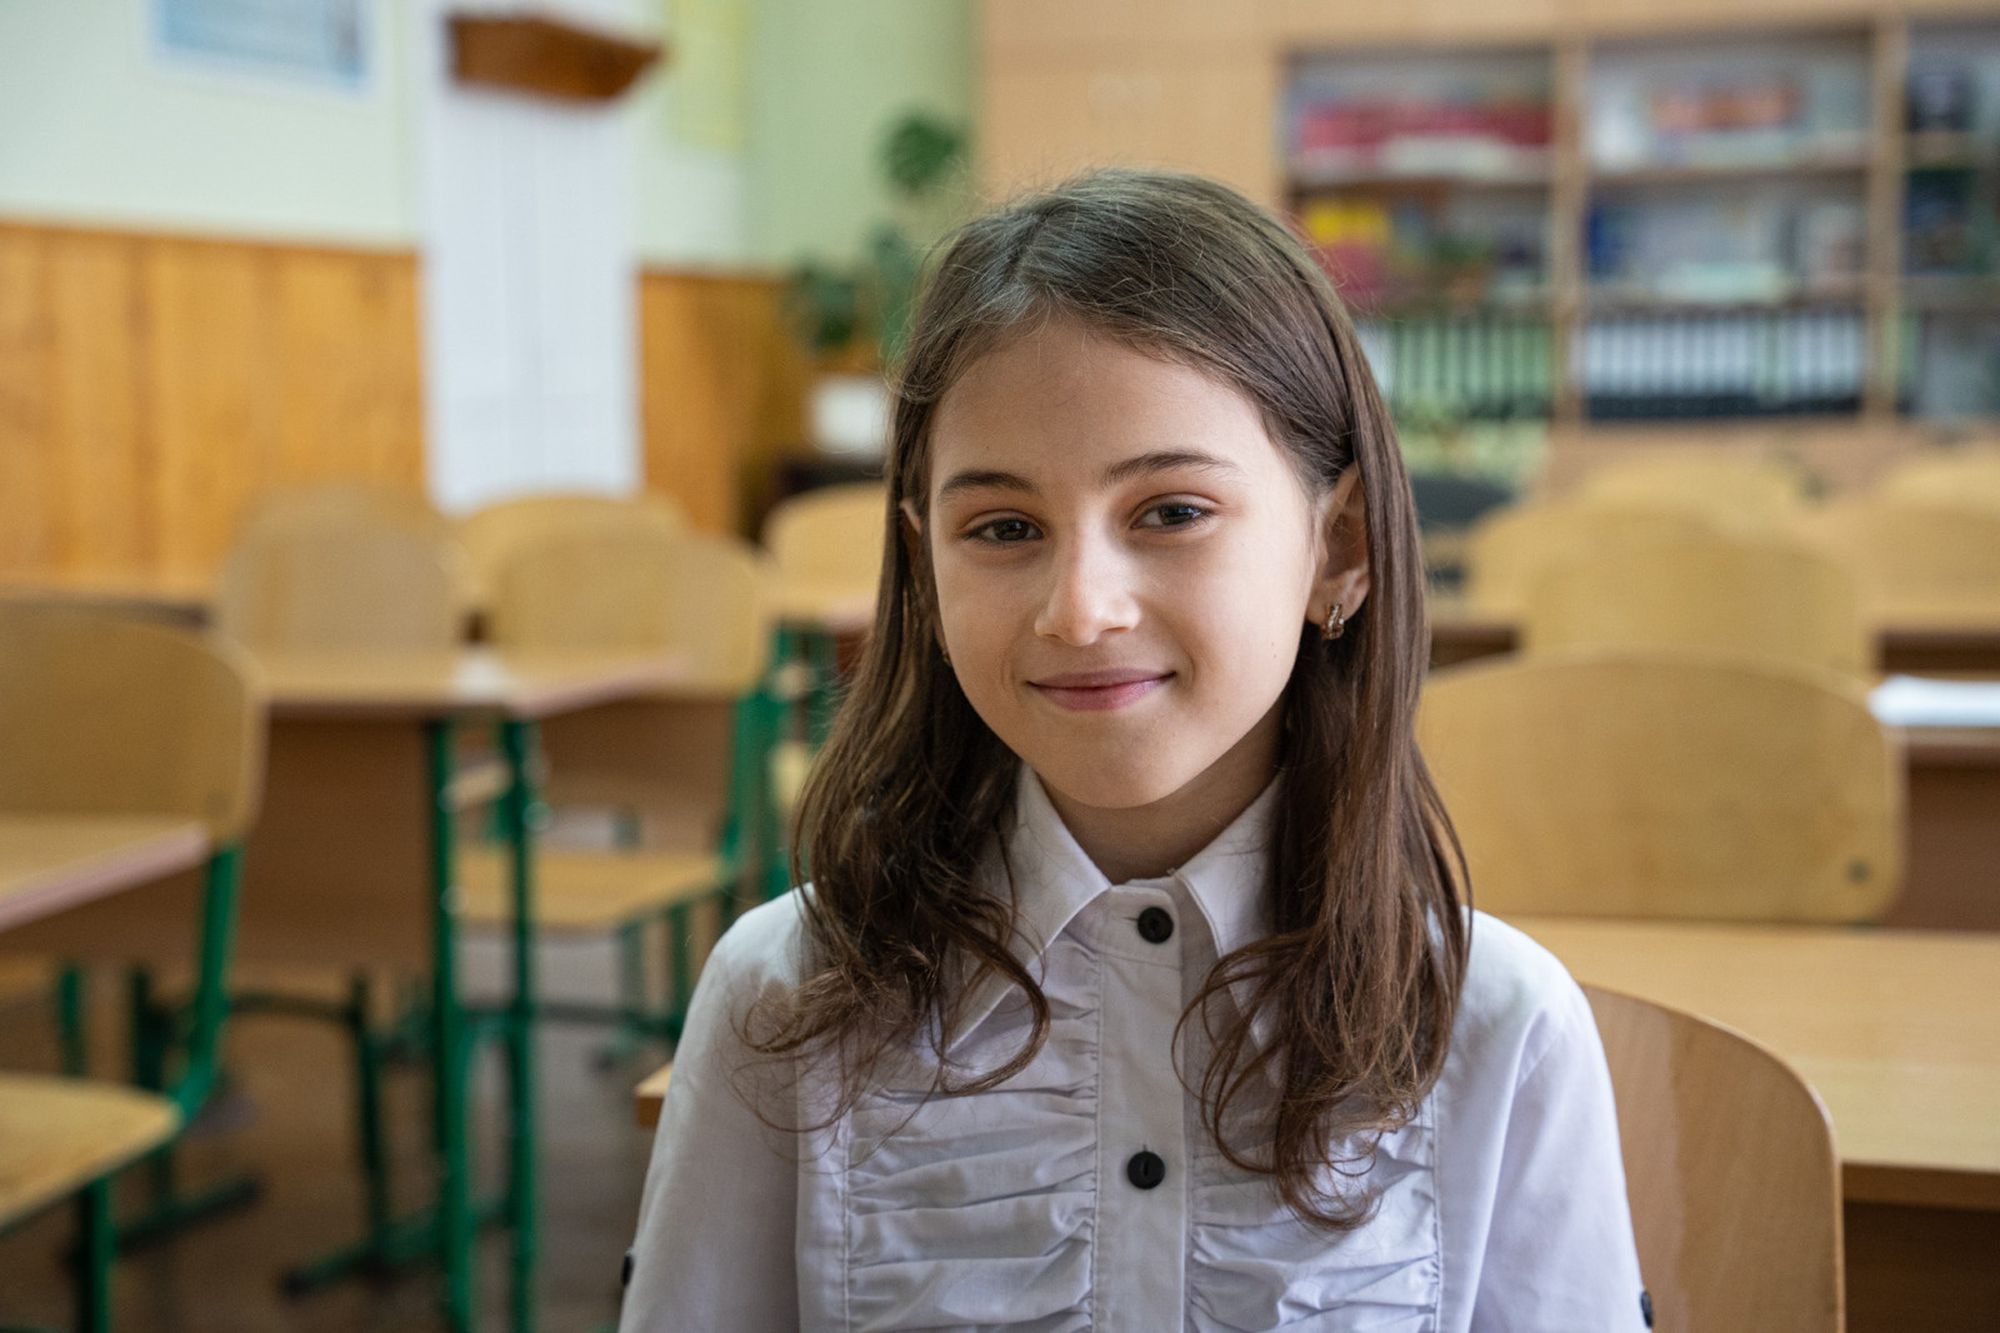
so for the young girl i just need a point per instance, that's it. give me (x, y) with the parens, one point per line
(1133, 989)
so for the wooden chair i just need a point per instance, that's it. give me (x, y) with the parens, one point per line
(1508, 550)
(1767, 596)
(103, 714)
(1732, 1173)
(689, 766)
(344, 569)
(1742, 490)
(827, 548)
(489, 534)
(1969, 475)
(1607, 782)
(1916, 562)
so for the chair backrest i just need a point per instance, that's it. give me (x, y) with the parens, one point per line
(1732, 1173)
(1768, 596)
(343, 570)
(489, 534)
(831, 537)
(1748, 490)
(108, 714)
(1621, 783)
(708, 598)
(1917, 562)
(1959, 476)
(644, 588)
(1509, 549)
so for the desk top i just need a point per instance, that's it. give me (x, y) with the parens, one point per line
(1899, 1031)
(52, 862)
(178, 595)
(474, 681)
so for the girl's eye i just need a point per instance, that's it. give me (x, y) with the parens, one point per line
(1179, 514)
(1002, 531)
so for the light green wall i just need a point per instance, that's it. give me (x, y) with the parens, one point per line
(829, 79)
(92, 129)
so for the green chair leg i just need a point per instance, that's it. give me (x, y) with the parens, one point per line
(97, 1247)
(71, 1028)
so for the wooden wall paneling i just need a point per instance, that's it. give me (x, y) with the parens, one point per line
(150, 385)
(1335, 23)
(1113, 25)
(26, 506)
(213, 366)
(1044, 119)
(98, 438)
(350, 406)
(722, 383)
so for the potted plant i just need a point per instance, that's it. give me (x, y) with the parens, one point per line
(854, 317)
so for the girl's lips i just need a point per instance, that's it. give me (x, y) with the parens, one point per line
(1100, 697)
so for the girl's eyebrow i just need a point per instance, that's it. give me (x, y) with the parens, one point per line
(1159, 460)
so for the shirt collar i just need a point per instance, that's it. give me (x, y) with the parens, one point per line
(1054, 879)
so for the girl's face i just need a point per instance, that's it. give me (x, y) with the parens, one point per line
(1124, 562)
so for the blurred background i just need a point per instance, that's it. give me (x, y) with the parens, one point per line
(500, 391)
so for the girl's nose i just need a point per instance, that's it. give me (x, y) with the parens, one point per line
(1089, 594)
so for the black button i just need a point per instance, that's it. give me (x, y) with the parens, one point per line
(1155, 926)
(1146, 1170)
(625, 1271)
(1646, 1305)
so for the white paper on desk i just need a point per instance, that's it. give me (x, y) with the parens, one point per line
(1918, 701)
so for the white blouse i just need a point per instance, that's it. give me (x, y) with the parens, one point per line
(1083, 1193)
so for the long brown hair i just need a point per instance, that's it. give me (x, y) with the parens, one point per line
(1359, 982)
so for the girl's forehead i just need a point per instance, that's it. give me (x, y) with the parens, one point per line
(1064, 398)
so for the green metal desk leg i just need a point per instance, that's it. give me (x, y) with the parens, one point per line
(517, 739)
(99, 1245)
(454, 1179)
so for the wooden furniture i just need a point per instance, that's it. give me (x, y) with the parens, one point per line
(1614, 783)
(1224, 90)
(177, 597)
(129, 751)
(650, 1094)
(1925, 563)
(52, 861)
(1899, 1033)
(1765, 596)
(685, 767)
(1509, 549)
(354, 866)
(544, 56)
(1731, 1170)
(490, 533)
(1741, 491)
(827, 546)
(343, 568)
(1961, 476)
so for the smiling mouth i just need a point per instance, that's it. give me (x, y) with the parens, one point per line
(1099, 697)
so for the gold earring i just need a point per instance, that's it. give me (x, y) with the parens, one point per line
(1334, 627)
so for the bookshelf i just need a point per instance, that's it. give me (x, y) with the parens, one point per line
(1787, 221)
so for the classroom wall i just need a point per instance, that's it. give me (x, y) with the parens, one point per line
(97, 131)
(830, 79)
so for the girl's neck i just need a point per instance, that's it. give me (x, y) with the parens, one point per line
(1150, 841)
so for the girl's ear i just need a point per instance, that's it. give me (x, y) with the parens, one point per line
(1343, 572)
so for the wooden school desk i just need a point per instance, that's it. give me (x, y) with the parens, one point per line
(1899, 1032)
(352, 867)
(1461, 633)
(50, 863)
(179, 596)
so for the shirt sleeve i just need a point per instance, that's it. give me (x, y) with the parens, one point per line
(1560, 1252)
(716, 1236)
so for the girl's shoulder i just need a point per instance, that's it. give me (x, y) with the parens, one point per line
(1519, 1002)
(765, 946)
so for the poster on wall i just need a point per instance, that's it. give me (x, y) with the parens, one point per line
(318, 43)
